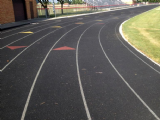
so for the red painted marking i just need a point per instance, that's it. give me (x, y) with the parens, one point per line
(15, 47)
(64, 48)
(100, 23)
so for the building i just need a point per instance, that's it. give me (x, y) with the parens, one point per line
(17, 10)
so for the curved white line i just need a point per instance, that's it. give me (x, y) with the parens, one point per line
(79, 78)
(34, 82)
(136, 55)
(120, 31)
(28, 35)
(29, 47)
(150, 110)
(25, 50)
(17, 28)
(27, 30)
(26, 26)
(95, 13)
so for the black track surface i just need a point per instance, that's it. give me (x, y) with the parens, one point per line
(56, 94)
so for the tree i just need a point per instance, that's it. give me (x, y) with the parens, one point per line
(62, 2)
(73, 2)
(44, 4)
(66, 1)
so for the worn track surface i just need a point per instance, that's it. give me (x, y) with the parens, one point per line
(97, 75)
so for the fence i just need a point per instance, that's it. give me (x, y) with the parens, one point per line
(84, 8)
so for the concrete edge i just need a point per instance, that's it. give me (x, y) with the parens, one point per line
(121, 32)
(1, 28)
(29, 22)
(128, 7)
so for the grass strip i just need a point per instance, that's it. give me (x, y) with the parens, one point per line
(143, 32)
(70, 13)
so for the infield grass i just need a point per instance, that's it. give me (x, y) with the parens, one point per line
(143, 32)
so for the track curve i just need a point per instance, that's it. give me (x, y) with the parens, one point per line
(62, 73)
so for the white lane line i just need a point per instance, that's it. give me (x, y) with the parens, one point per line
(29, 47)
(17, 28)
(134, 53)
(26, 49)
(28, 35)
(99, 12)
(120, 31)
(34, 82)
(27, 25)
(79, 78)
(150, 110)
(28, 29)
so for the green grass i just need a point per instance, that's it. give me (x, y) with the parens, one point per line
(70, 12)
(143, 32)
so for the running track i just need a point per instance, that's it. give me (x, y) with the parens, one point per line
(77, 68)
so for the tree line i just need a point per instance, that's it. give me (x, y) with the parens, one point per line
(72, 2)
(150, 1)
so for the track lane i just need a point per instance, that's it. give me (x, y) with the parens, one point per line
(63, 86)
(3, 36)
(19, 82)
(142, 78)
(26, 41)
(23, 64)
(42, 96)
(49, 89)
(23, 35)
(20, 36)
(105, 93)
(40, 24)
(34, 24)
(26, 64)
(130, 87)
(144, 59)
(29, 65)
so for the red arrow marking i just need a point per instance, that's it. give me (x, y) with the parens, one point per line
(64, 48)
(15, 47)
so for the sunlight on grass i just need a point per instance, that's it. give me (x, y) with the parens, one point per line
(143, 31)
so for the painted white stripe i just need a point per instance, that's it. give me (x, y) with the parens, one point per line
(34, 82)
(25, 50)
(17, 28)
(129, 7)
(29, 35)
(79, 78)
(29, 47)
(150, 110)
(27, 30)
(90, 13)
(120, 30)
(39, 21)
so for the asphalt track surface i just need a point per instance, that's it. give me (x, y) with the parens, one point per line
(99, 77)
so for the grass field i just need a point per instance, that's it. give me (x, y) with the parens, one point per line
(69, 12)
(143, 32)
